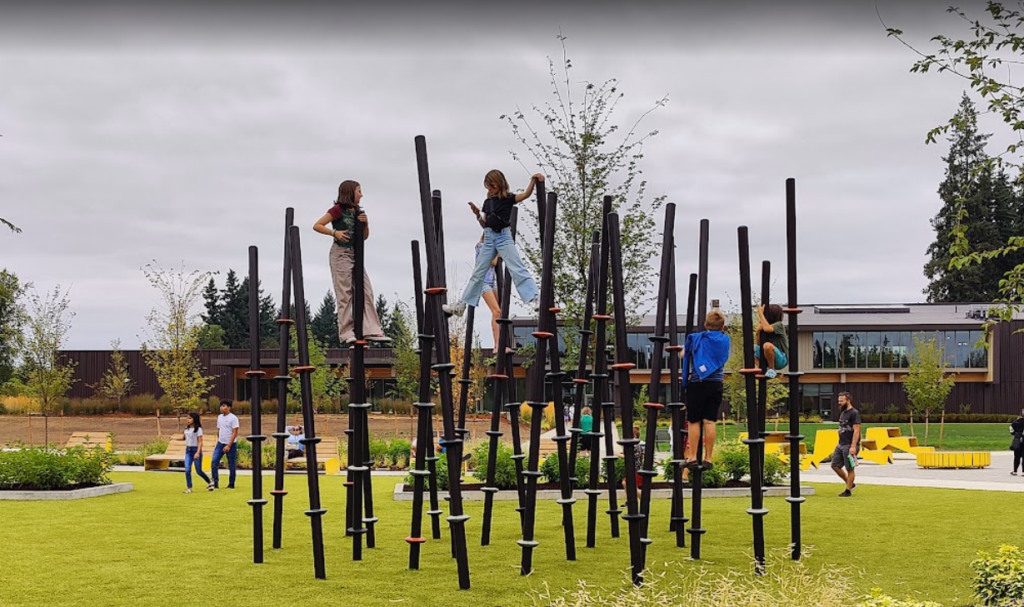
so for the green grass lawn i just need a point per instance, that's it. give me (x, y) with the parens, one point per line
(156, 546)
(956, 437)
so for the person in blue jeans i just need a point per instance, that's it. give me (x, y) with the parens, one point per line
(496, 216)
(194, 451)
(227, 434)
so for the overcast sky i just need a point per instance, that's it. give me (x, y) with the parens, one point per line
(182, 137)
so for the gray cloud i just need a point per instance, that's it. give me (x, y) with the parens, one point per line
(182, 136)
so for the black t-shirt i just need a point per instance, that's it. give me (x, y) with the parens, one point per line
(499, 212)
(847, 420)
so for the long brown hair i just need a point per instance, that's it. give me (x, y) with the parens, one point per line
(497, 179)
(347, 193)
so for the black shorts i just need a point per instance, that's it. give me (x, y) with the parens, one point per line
(703, 399)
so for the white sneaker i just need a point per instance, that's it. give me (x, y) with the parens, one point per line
(187, 491)
(534, 304)
(458, 309)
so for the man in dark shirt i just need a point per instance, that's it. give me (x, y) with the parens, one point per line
(845, 454)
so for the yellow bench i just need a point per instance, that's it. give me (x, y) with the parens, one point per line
(954, 459)
(892, 439)
(326, 456)
(775, 442)
(826, 441)
(176, 453)
(90, 440)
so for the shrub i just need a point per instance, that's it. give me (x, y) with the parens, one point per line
(620, 470)
(504, 468)
(999, 578)
(442, 475)
(734, 461)
(44, 469)
(951, 418)
(551, 471)
(138, 457)
(714, 478)
(775, 472)
(399, 451)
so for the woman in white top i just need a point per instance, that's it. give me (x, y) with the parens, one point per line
(194, 451)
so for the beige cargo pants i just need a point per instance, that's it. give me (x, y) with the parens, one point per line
(342, 262)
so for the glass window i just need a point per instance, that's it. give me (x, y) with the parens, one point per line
(818, 354)
(847, 351)
(963, 348)
(874, 350)
(947, 340)
(978, 357)
(890, 345)
(830, 350)
(635, 345)
(906, 344)
(862, 349)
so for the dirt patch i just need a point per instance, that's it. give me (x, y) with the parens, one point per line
(132, 431)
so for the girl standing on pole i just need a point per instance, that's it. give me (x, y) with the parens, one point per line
(343, 218)
(495, 217)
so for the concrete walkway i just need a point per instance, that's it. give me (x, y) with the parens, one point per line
(904, 472)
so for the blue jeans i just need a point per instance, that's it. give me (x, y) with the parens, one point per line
(232, 454)
(190, 460)
(502, 243)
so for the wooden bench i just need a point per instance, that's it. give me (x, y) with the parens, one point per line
(954, 459)
(326, 456)
(175, 453)
(90, 440)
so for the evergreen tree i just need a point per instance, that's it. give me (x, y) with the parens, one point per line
(234, 313)
(211, 301)
(269, 336)
(383, 314)
(324, 326)
(983, 196)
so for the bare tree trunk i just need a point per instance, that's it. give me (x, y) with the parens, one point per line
(942, 426)
(926, 426)
(911, 422)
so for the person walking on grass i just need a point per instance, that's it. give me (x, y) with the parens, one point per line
(845, 454)
(1017, 445)
(194, 451)
(227, 434)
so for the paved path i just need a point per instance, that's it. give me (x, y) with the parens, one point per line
(905, 473)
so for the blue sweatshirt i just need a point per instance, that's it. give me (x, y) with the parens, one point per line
(705, 356)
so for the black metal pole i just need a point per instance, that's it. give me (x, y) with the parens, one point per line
(549, 310)
(599, 376)
(436, 289)
(654, 406)
(754, 442)
(256, 438)
(423, 406)
(499, 381)
(581, 380)
(513, 405)
(602, 387)
(284, 325)
(762, 362)
(624, 400)
(315, 512)
(702, 272)
(535, 390)
(793, 310)
(697, 470)
(679, 518)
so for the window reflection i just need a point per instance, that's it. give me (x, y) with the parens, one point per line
(893, 349)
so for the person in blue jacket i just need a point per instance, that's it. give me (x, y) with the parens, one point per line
(704, 357)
